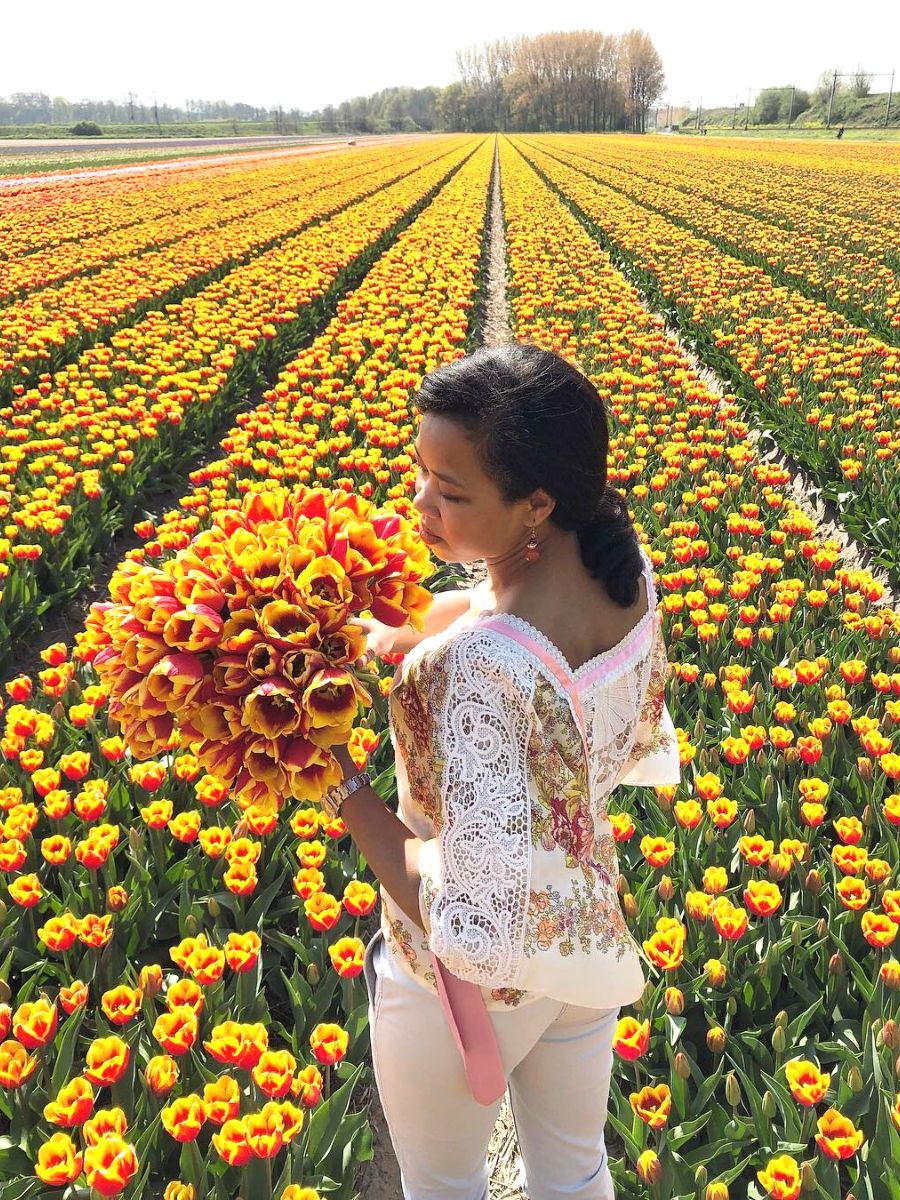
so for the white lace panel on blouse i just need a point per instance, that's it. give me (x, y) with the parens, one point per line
(485, 838)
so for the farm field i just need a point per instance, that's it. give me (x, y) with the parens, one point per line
(182, 1013)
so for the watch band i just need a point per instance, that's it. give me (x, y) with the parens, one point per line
(333, 800)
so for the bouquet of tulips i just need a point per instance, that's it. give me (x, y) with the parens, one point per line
(242, 645)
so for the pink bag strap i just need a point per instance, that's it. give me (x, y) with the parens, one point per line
(470, 1024)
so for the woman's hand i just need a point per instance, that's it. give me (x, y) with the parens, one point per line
(380, 638)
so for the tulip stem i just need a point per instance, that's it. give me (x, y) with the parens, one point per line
(197, 1168)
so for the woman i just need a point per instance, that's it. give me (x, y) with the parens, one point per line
(503, 955)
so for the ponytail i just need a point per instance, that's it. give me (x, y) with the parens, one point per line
(610, 548)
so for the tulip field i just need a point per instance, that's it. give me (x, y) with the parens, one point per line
(182, 1009)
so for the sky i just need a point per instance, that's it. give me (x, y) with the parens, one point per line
(299, 55)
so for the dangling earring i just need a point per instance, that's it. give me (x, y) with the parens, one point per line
(532, 553)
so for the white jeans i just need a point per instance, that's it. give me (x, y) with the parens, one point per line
(557, 1058)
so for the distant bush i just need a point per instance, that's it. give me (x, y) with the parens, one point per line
(86, 129)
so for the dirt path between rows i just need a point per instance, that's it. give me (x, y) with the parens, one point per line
(380, 1179)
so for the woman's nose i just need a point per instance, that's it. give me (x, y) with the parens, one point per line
(420, 497)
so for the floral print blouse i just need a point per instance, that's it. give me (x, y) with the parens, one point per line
(505, 760)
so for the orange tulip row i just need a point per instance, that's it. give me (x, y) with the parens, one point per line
(95, 430)
(717, 200)
(831, 389)
(39, 332)
(412, 311)
(213, 200)
(81, 208)
(719, 523)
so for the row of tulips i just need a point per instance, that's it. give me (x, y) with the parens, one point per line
(762, 1059)
(197, 199)
(828, 391)
(79, 447)
(45, 330)
(39, 215)
(205, 966)
(827, 259)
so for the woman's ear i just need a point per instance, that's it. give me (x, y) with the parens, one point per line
(541, 505)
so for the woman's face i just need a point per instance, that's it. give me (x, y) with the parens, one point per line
(464, 516)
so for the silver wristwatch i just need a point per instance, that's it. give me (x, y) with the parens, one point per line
(334, 798)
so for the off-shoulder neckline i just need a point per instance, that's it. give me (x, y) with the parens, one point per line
(587, 667)
(591, 664)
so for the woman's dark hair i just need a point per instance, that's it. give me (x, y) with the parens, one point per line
(538, 422)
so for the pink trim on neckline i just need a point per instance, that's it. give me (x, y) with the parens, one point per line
(556, 669)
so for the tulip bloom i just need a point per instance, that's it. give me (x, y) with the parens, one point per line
(308, 1086)
(73, 1105)
(59, 1161)
(183, 1118)
(73, 997)
(781, 1178)
(763, 898)
(878, 930)
(729, 920)
(807, 1083)
(274, 1072)
(347, 956)
(121, 1004)
(222, 1100)
(242, 950)
(161, 1074)
(359, 898)
(665, 947)
(104, 1122)
(16, 1064)
(652, 1105)
(231, 1143)
(632, 1037)
(110, 1165)
(329, 1043)
(323, 911)
(838, 1137)
(106, 1060)
(177, 1031)
(34, 1023)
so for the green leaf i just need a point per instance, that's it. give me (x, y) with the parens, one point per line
(326, 1120)
(65, 1049)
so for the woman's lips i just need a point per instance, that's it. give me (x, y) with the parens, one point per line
(428, 536)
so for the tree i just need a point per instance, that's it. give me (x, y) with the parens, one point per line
(860, 83)
(643, 77)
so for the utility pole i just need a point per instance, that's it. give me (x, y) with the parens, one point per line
(887, 111)
(747, 117)
(156, 115)
(700, 115)
(791, 108)
(131, 106)
(734, 114)
(831, 100)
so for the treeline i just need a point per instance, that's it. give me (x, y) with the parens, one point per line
(582, 81)
(37, 108)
